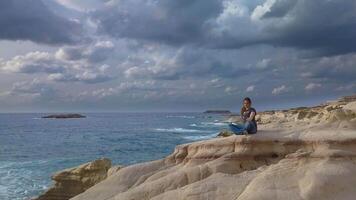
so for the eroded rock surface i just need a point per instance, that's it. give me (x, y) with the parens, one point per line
(225, 133)
(73, 181)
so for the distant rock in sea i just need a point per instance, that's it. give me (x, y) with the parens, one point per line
(64, 116)
(222, 112)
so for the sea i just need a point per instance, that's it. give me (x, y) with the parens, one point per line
(33, 148)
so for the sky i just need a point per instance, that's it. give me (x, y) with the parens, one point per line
(174, 55)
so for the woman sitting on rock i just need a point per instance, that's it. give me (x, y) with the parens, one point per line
(248, 114)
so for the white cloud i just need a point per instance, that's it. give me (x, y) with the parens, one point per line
(306, 74)
(82, 5)
(215, 80)
(153, 64)
(261, 10)
(230, 89)
(77, 63)
(96, 52)
(29, 91)
(312, 86)
(135, 72)
(250, 88)
(346, 87)
(136, 88)
(264, 63)
(232, 8)
(235, 14)
(32, 62)
(87, 76)
(279, 90)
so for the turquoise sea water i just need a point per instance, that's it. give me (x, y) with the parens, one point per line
(32, 148)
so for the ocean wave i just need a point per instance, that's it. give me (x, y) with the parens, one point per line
(199, 137)
(209, 124)
(181, 116)
(181, 130)
(214, 123)
(17, 182)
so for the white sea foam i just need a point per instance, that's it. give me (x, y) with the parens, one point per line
(181, 130)
(208, 124)
(3, 192)
(213, 123)
(181, 116)
(17, 182)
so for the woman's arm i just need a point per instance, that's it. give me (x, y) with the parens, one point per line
(252, 115)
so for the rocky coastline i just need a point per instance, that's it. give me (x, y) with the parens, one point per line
(300, 153)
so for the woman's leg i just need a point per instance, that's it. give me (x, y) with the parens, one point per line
(250, 127)
(237, 128)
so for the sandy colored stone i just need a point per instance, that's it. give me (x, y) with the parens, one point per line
(114, 169)
(225, 133)
(73, 181)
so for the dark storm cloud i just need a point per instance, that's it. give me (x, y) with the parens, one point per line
(340, 69)
(326, 27)
(185, 63)
(169, 21)
(32, 20)
(204, 63)
(187, 52)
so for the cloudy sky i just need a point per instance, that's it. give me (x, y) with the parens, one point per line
(174, 55)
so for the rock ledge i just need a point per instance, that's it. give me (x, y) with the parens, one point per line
(73, 181)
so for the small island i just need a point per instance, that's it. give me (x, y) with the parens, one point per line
(64, 116)
(221, 112)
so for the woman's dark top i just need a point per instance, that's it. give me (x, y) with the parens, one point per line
(246, 114)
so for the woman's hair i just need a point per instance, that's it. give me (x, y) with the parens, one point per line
(243, 109)
(247, 99)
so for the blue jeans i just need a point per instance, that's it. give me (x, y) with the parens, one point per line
(238, 129)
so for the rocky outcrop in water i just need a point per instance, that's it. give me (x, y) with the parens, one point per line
(64, 116)
(73, 181)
